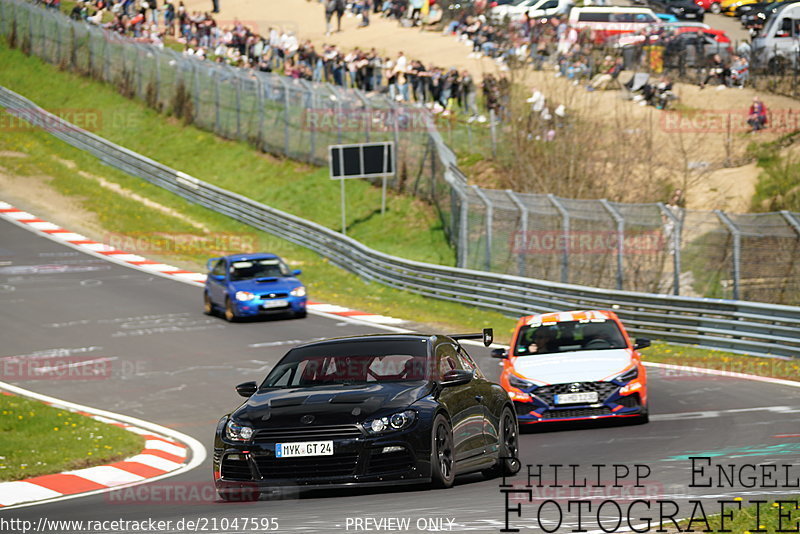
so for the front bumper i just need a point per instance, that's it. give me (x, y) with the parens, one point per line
(402, 457)
(612, 403)
(258, 306)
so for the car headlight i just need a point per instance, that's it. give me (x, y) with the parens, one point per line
(236, 432)
(392, 423)
(298, 292)
(244, 295)
(627, 376)
(519, 382)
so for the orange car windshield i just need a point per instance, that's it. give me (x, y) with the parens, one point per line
(568, 336)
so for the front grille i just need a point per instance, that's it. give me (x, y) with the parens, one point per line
(631, 401)
(548, 393)
(236, 469)
(274, 295)
(318, 433)
(523, 408)
(575, 412)
(337, 465)
(389, 462)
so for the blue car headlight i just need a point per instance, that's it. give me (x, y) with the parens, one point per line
(244, 296)
(299, 291)
(392, 423)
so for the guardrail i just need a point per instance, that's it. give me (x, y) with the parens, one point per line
(739, 326)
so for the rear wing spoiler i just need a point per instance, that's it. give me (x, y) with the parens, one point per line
(487, 336)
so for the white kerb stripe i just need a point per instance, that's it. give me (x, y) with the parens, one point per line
(154, 461)
(105, 475)
(21, 491)
(45, 226)
(161, 267)
(97, 247)
(5, 205)
(382, 319)
(159, 445)
(192, 276)
(328, 308)
(19, 215)
(69, 236)
(128, 257)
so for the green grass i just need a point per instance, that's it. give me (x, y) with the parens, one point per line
(36, 439)
(778, 187)
(287, 185)
(749, 520)
(412, 233)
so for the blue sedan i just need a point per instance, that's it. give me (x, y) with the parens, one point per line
(249, 285)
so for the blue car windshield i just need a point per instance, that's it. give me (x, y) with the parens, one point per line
(350, 363)
(265, 268)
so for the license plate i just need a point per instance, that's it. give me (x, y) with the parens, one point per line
(304, 448)
(574, 398)
(278, 303)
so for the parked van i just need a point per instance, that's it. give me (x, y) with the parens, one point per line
(778, 45)
(612, 20)
(534, 9)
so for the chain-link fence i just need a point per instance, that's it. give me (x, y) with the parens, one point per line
(641, 247)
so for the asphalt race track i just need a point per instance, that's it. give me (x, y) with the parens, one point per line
(174, 366)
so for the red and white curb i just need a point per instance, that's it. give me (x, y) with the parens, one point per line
(166, 453)
(95, 248)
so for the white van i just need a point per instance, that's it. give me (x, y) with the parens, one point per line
(778, 45)
(607, 21)
(534, 9)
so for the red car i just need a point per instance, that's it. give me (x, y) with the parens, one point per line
(710, 5)
(568, 366)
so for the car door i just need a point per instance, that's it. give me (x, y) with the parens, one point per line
(483, 392)
(217, 282)
(464, 405)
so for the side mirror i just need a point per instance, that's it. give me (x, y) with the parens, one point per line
(456, 377)
(217, 277)
(297, 272)
(501, 354)
(248, 389)
(641, 343)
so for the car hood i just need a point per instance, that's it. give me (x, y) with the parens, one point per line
(330, 405)
(578, 366)
(267, 285)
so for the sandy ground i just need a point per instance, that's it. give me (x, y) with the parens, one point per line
(725, 188)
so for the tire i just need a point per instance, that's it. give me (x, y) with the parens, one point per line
(715, 8)
(442, 454)
(208, 306)
(230, 313)
(508, 447)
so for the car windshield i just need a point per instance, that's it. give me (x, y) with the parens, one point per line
(568, 336)
(361, 362)
(263, 268)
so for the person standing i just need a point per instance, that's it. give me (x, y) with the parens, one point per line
(330, 7)
(215, 6)
(366, 7)
(339, 14)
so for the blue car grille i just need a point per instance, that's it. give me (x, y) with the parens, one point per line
(274, 295)
(548, 393)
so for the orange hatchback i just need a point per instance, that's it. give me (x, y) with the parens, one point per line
(577, 365)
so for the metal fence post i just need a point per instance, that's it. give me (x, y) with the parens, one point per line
(238, 81)
(493, 132)
(565, 228)
(215, 75)
(737, 249)
(463, 227)
(286, 139)
(489, 224)
(620, 220)
(673, 228)
(312, 99)
(792, 221)
(523, 224)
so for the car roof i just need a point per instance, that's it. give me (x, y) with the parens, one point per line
(568, 316)
(253, 256)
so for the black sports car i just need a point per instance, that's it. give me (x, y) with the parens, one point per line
(367, 410)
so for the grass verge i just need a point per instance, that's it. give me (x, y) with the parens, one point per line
(775, 516)
(36, 439)
(410, 232)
